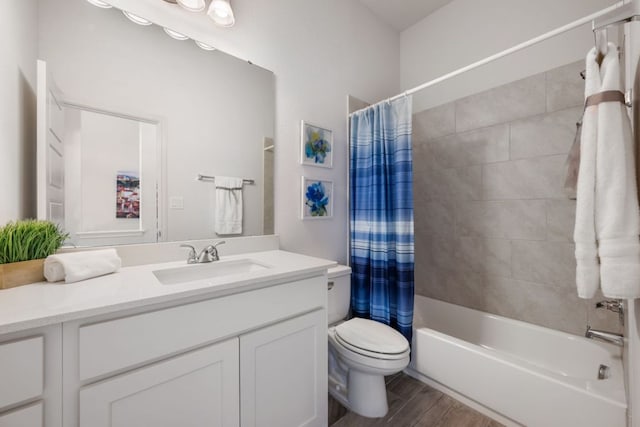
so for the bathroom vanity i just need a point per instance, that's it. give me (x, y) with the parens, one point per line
(244, 347)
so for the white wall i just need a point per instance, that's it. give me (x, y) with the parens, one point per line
(214, 110)
(18, 49)
(465, 31)
(99, 168)
(320, 51)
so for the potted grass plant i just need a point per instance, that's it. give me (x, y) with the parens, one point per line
(23, 247)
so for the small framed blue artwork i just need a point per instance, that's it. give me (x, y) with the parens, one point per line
(317, 198)
(316, 146)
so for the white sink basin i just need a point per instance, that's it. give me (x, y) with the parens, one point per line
(190, 273)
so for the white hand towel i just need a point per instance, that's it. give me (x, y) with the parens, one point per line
(228, 205)
(75, 266)
(607, 215)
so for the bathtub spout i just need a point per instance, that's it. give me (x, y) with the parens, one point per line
(609, 337)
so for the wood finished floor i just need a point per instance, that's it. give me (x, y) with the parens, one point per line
(412, 403)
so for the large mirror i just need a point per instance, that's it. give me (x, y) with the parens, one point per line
(129, 118)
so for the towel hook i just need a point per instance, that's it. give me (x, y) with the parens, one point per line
(600, 42)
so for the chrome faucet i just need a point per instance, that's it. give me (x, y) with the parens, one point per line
(610, 337)
(208, 254)
(191, 258)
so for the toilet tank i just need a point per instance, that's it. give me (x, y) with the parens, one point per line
(339, 293)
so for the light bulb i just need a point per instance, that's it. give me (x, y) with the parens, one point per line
(192, 5)
(174, 34)
(221, 13)
(137, 19)
(100, 3)
(204, 45)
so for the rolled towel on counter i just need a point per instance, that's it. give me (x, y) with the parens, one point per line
(76, 266)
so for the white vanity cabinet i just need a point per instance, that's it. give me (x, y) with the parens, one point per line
(31, 378)
(255, 358)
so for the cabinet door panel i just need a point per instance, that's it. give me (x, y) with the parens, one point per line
(31, 416)
(192, 390)
(21, 365)
(283, 373)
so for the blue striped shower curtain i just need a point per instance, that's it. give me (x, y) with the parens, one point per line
(381, 214)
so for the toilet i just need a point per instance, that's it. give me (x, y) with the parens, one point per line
(361, 352)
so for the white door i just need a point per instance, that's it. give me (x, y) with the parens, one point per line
(50, 148)
(199, 388)
(283, 373)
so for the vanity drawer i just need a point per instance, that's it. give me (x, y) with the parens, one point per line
(115, 345)
(21, 366)
(31, 416)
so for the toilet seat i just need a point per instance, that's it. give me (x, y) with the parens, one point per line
(372, 339)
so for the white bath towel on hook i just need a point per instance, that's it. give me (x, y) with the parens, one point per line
(607, 214)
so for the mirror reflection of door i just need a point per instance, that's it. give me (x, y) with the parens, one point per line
(50, 148)
(112, 174)
(267, 203)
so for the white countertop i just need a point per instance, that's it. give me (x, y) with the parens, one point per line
(42, 304)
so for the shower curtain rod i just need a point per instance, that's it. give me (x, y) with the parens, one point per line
(611, 15)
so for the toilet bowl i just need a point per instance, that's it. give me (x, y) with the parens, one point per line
(361, 353)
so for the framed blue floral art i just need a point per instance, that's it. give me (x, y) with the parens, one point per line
(316, 146)
(317, 198)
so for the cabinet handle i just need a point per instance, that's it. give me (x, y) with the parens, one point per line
(330, 285)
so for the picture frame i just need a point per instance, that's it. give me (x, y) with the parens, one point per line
(316, 145)
(316, 199)
(128, 194)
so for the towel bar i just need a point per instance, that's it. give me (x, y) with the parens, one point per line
(213, 178)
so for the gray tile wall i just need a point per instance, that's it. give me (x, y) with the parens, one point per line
(493, 226)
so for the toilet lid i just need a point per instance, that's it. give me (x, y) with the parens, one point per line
(372, 336)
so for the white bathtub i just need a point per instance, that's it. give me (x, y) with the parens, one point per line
(526, 374)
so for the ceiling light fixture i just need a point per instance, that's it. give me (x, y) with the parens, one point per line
(100, 3)
(137, 19)
(192, 5)
(221, 13)
(204, 45)
(174, 34)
